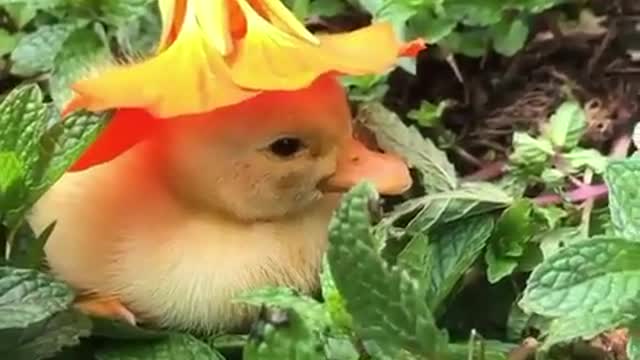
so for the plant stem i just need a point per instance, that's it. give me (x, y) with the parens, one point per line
(582, 193)
(587, 206)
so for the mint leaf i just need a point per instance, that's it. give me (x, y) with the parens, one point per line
(509, 240)
(48, 337)
(341, 349)
(116, 329)
(36, 51)
(424, 24)
(12, 189)
(455, 247)
(578, 159)
(509, 36)
(567, 125)
(27, 248)
(392, 135)
(333, 301)
(416, 258)
(567, 328)
(585, 278)
(22, 14)
(287, 298)
(82, 49)
(622, 178)
(428, 115)
(443, 207)
(282, 335)
(118, 12)
(28, 297)
(529, 151)
(22, 123)
(66, 140)
(386, 304)
(175, 346)
(8, 42)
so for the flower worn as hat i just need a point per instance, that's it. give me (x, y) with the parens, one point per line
(218, 53)
(215, 53)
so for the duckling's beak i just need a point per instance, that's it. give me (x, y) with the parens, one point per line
(356, 163)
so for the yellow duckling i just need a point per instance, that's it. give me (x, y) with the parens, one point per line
(220, 169)
(211, 206)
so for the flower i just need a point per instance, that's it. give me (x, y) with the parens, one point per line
(219, 53)
(215, 53)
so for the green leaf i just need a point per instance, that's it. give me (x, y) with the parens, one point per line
(508, 242)
(341, 349)
(416, 258)
(499, 267)
(116, 329)
(553, 240)
(567, 328)
(333, 301)
(428, 115)
(27, 249)
(585, 278)
(328, 7)
(426, 25)
(22, 14)
(510, 36)
(623, 179)
(386, 304)
(66, 140)
(36, 51)
(118, 12)
(579, 159)
(287, 298)
(392, 135)
(567, 125)
(443, 207)
(282, 335)
(82, 49)
(22, 123)
(455, 247)
(28, 297)
(46, 338)
(529, 151)
(12, 189)
(551, 215)
(175, 346)
(8, 42)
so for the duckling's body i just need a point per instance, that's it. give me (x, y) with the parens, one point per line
(169, 264)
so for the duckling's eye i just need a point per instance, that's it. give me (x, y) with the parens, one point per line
(286, 146)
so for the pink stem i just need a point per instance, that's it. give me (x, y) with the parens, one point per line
(579, 194)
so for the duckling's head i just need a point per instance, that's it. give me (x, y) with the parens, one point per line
(273, 155)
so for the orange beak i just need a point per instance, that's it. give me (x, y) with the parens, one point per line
(356, 163)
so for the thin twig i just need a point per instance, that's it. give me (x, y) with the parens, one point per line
(488, 172)
(580, 194)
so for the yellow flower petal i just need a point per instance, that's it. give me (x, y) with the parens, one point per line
(213, 18)
(214, 53)
(268, 58)
(189, 77)
(172, 13)
(283, 19)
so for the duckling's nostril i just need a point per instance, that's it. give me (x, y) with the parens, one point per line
(324, 184)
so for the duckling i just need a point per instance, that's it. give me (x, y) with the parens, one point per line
(211, 205)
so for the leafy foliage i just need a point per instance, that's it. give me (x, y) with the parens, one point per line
(397, 278)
